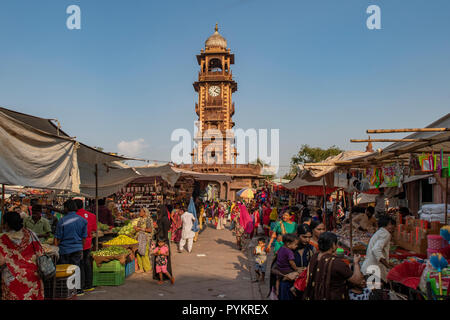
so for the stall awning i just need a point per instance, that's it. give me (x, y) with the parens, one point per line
(35, 158)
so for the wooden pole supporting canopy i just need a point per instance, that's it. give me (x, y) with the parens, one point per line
(390, 140)
(408, 130)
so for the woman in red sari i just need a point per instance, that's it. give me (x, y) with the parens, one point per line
(19, 249)
(176, 226)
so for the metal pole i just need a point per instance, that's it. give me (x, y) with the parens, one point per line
(96, 204)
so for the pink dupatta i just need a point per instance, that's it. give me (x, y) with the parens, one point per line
(245, 220)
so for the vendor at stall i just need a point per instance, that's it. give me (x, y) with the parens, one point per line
(380, 203)
(377, 254)
(37, 223)
(366, 221)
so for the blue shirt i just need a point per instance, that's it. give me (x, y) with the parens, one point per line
(71, 230)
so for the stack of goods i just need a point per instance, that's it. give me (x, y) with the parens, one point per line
(121, 240)
(435, 244)
(412, 235)
(109, 254)
(360, 238)
(434, 212)
(109, 274)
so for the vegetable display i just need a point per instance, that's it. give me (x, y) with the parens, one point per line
(121, 240)
(110, 251)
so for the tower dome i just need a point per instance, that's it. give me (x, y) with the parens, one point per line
(216, 40)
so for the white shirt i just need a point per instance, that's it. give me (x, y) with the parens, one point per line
(187, 219)
(378, 248)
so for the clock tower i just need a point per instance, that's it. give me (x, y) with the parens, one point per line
(215, 108)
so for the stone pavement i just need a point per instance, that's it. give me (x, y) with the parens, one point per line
(214, 270)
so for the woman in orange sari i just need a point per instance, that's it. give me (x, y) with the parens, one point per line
(19, 249)
(317, 228)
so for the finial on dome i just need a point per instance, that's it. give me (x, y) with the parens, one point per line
(217, 28)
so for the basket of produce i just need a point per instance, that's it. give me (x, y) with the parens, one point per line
(122, 241)
(110, 253)
(103, 227)
(127, 229)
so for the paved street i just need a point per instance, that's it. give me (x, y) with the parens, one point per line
(222, 273)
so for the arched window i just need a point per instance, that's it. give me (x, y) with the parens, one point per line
(215, 65)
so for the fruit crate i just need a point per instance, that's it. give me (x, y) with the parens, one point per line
(109, 274)
(130, 268)
(57, 289)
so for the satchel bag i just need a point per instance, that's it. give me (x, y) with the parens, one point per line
(45, 264)
(142, 239)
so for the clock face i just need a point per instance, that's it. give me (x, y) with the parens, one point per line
(214, 91)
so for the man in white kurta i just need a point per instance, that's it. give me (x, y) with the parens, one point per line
(377, 254)
(187, 235)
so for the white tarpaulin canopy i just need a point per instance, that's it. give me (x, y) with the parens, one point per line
(313, 174)
(112, 178)
(35, 158)
(36, 153)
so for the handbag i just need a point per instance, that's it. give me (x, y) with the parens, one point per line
(45, 264)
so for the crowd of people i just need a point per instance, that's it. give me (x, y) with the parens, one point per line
(305, 262)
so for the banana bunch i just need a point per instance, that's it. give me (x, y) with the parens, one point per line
(121, 240)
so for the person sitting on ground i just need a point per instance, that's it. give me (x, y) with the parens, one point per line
(161, 252)
(260, 254)
(328, 275)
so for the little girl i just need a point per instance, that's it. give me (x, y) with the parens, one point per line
(285, 262)
(161, 252)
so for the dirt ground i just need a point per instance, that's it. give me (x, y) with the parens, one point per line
(214, 270)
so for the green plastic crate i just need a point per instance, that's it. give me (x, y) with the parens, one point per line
(112, 266)
(108, 279)
(109, 274)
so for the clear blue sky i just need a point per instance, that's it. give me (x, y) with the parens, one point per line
(310, 68)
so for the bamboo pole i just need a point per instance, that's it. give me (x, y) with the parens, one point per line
(350, 203)
(96, 205)
(3, 207)
(390, 140)
(408, 130)
(324, 199)
(446, 200)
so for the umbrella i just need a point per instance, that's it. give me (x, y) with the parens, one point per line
(246, 193)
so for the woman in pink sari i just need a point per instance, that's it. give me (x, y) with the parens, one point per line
(176, 226)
